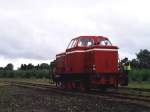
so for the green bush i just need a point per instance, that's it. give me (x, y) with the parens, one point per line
(41, 73)
(9, 73)
(139, 75)
(2, 73)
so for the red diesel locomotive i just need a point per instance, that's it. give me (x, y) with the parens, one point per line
(88, 62)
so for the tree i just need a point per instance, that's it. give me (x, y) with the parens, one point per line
(1, 68)
(124, 60)
(44, 66)
(30, 66)
(37, 67)
(134, 63)
(23, 67)
(143, 58)
(9, 67)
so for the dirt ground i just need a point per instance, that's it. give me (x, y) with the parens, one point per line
(15, 99)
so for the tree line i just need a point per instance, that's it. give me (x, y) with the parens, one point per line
(29, 66)
(26, 71)
(8, 67)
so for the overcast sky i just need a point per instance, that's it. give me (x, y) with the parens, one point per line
(36, 30)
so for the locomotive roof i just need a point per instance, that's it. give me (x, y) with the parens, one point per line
(94, 37)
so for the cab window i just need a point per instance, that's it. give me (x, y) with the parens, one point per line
(105, 43)
(85, 42)
(72, 44)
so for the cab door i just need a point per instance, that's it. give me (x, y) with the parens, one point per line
(69, 63)
(89, 62)
(75, 57)
(89, 56)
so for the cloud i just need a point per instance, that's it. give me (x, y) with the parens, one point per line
(39, 29)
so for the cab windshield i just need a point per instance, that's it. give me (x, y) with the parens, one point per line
(85, 42)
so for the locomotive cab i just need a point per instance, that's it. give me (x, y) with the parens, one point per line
(75, 54)
(89, 41)
(81, 42)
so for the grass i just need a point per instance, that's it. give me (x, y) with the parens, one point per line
(30, 80)
(2, 84)
(144, 85)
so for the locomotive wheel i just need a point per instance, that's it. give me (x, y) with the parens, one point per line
(82, 86)
(57, 84)
(69, 85)
(63, 85)
(73, 84)
(103, 89)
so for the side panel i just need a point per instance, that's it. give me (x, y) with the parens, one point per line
(60, 64)
(75, 61)
(106, 61)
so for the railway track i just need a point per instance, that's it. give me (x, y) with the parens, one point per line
(140, 100)
(135, 89)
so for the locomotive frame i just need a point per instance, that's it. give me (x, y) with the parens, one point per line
(88, 62)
